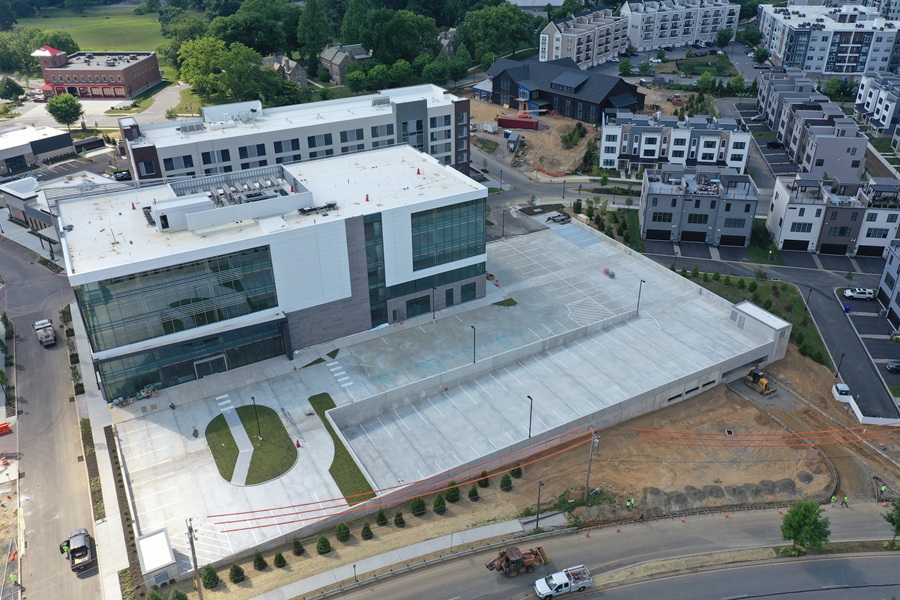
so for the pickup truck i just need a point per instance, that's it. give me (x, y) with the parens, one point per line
(46, 335)
(81, 550)
(559, 218)
(573, 579)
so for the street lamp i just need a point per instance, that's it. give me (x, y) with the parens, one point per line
(640, 287)
(501, 180)
(564, 189)
(256, 414)
(838, 370)
(473, 343)
(432, 304)
(807, 298)
(769, 260)
(354, 574)
(587, 480)
(537, 521)
(530, 413)
(675, 264)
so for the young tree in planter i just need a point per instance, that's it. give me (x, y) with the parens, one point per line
(259, 563)
(417, 507)
(366, 532)
(473, 493)
(323, 546)
(381, 518)
(506, 482)
(398, 520)
(177, 594)
(440, 505)
(516, 471)
(893, 517)
(483, 480)
(208, 577)
(235, 574)
(805, 526)
(342, 532)
(279, 561)
(153, 595)
(452, 494)
(298, 547)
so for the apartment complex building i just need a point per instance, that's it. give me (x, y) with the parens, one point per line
(234, 137)
(656, 24)
(701, 204)
(816, 133)
(630, 143)
(830, 40)
(23, 146)
(887, 290)
(97, 74)
(175, 281)
(589, 38)
(876, 102)
(889, 9)
(836, 216)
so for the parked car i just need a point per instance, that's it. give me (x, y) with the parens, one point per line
(122, 175)
(635, 71)
(668, 48)
(893, 366)
(774, 145)
(615, 59)
(860, 293)
(841, 392)
(758, 66)
(655, 61)
(750, 55)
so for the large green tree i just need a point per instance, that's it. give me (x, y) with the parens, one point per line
(496, 30)
(17, 45)
(761, 55)
(7, 16)
(805, 526)
(751, 35)
(313, 32)
(250, 29)
(723, 37)
(221, 8)
(65, 109)
(9, 89)
(201, 61)
(392, 35)
(354, 22)
(893, 518)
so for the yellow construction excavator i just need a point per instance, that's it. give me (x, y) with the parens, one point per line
(513, 561)
(757, 380)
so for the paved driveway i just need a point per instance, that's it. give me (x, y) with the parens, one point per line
(734, 253)
(694, 250)
(833, 262)
(659, 247)
(793, 258)
(870, 264)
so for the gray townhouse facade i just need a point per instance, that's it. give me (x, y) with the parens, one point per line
(701, 204)
(876, 102)
(240, 136)
(888, 291)
(589, 38)
(630, 143)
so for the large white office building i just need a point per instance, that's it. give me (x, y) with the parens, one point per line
(179, 280)
(830, 40)
(656, 24)
(234, 137)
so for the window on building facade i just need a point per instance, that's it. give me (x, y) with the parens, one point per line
(252, 151)
(177, 163)
(147, 168)
(838, 231)
(447, 234)
(662, 217)
(382, 130)
(739, 145)
(876, 232)
(283, 146)
(413, 133)
(708, 156)
(892, 218)
(801, 227)
(854, 216)
(735, 223)
(737, 157)
(440, 121)
(351, 135)
(318, 141)
(679, 142)
(709, 144)
(462, 118)
(698, 218)
(322, 153)
(253, 164)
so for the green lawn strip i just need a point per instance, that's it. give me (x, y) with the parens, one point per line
(634, 230)
(318, 361)
(344, 471)
(883, 145)
(506, 302)
(895, 390)
(276, 453)
(764, 135)
(222, 445)
(104, 30)
(781, 299)
(333, 353)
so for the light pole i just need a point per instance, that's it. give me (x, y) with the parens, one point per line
(537, 521)
(501, 180)
(807, 299)
(432, 304)
(530, 413)
(564, 189)
(587, 480)
(769, 260)
(838, 370)
(256, 414)
(354, 573)
(640, 287)
(473, 343)
(675, 264)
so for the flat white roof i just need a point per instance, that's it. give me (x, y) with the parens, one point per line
(242, 122)
(25, 134)
(155, 551)
(872, 21)
(110, 229)
(763, 316)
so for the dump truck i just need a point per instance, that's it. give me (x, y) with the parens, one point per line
(80, 550)
(757, 380)
(513, 561)
(46, 335)
(573, 579)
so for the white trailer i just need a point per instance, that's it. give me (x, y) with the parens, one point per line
(573, 579)
(46, 335)
(489, 127)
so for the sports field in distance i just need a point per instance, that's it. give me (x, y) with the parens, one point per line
(104, 29)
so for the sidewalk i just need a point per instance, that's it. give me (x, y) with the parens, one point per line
(14, 232)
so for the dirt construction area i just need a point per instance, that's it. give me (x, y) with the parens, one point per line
(727, 447)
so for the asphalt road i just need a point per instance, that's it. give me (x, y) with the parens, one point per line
(54, 486)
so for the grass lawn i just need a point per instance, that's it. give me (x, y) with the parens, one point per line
(718, 65)
(272, 456)
(895, 390)
(489, 146)
(883, 145)
(765, 135)
(104, 29)
(346, 474)
(634, 229)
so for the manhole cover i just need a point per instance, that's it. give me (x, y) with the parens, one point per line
(729, 432)
(80, 459)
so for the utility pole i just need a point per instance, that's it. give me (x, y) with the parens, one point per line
(595, 441)
(197, 583)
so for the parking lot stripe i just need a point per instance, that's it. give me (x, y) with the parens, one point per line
(482, 387)
(385, 428)
(424, 420)
(475, 402)
(402, 420)
(436, 408)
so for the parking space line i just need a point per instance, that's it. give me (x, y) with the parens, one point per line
(385, 428)
(436, 408)
(483, 388)
(402, 420)
(498, 382)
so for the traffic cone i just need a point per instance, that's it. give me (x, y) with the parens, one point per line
(588, 534)
(682, 519)
(726, 515)
(298, 443)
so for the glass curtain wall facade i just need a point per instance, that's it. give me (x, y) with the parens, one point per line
(141, 306)
(375, 268)
(450, 233)
(190, 360)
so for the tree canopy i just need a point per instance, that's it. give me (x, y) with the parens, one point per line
(805, 526)
(760, 55)
(893, 519)
(17, 45)
(751, 35)
(7, 16)
(313, 31)
(9, 89)
(723, 37)
(65, 109)
(394, 35)
(496, 30)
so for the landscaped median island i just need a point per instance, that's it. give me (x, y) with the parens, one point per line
(273, 456)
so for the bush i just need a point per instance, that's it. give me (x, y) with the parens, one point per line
(153, 595)
(506, 482)
(799, 337)
(417, 507)
(752, 286)
(259, 563)
(726, 280)
(452, 493)
(741, 284)
(576, 206)
(380, 518)
(298, 547)
(440, 505)
(279, 561)
(235, 574)
(473, 493)
(398, 520)
(177, 594)
(695, 271)
(342, 532)
(767, 304)
(366, 532)
(323, 546)
(208, 577)
(483, 480)
(516, 471)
